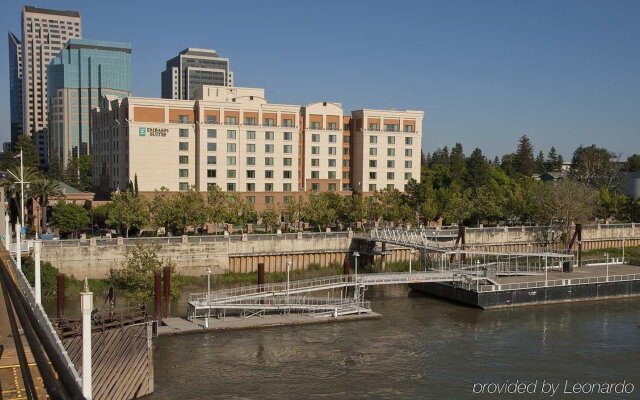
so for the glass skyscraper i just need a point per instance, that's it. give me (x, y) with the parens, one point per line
(81, 73)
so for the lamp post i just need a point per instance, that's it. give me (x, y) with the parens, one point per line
(546, 271)
(288, 262)
(86, 306)
(357, 291)
(206, 321)
(477, 276)
(411, 251)
(606, 255)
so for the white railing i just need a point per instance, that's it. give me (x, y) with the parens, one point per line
(559, 282)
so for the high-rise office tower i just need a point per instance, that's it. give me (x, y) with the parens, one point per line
(191, 69)
(15, 85)
(44, 33)
(81, 73)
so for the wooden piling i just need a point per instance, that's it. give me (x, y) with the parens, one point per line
(166, 277)
(261, 273)
(60, 296)
(157, 295)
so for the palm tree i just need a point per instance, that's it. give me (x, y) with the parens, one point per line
(42, 189)
(12, 185)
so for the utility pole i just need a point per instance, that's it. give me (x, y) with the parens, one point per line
(86, 306)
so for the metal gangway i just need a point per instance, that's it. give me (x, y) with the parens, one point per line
(429, 240)
(294, 295)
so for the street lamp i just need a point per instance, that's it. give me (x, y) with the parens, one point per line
(356, 294)
(411, 251)
(288, 262)
(478, 276)
(206, 321)
(606, 255)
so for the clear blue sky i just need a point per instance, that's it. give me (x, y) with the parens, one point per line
(485, 72)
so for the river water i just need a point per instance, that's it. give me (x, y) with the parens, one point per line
(422, 348)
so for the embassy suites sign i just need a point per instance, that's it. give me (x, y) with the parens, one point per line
(153, 132)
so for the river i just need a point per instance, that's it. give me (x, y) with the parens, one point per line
(422, 348)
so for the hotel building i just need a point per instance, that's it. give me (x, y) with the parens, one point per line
(44, 33)
(82, 73)
(191, 69)
(233, 138)
(15, 86)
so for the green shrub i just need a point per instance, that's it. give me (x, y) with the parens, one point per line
(48, 275)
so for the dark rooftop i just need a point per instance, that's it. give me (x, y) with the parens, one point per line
(67, 13)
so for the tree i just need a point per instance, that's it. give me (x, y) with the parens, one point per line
(318, 211)
(55, 171)
(190, 210)
(13, 189)
(394, 206)
(457, 163)
(633, 163)
(163, 212)
(541, 165)
(135, 184)
(270, 217)
(42, 190)
(138, 270)
(241, 211)
(128, 211)
(594, 165)
(458, 204)
(477, 170)
(70, 218)
(554, 160)
(524, 162)
(217, 205)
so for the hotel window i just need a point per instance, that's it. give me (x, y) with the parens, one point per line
(332, 174)
(408, 128)
(268, 161)
(346, 139)
(288, 136)
(408, 152)
(373, 127)
(287, 162)
(251, 187)
(268, 187)
(332, 150)
(231, 134)
(332, 138)
(288, 149)
(183, 146)
(231, 147)
(211, 147)
(345, 175)
(407, 175)
(231, 161)
(315, 187)
(391, 140)
(268, 135)
(315, 150)
(391, 127)
(269, 122)
(390, 186)
(251, 174)
(391, 164)
(251, 199)
(333, 126)
(332, 162)
(315, 125)
(268, 199)
(231, 187)
(211, 160)
(231, 120)
(287, 123)
(251, 135)
(286, 187)
(332, 187)
(408, 140)
(346, 151)
(315, 174)
(251, 148)
(408, 164)
(183, 118)
(373, 175)
(231, 173)
(390, 175)
(315, 138)
(315, 162)
(211, 173)
(183, 173)
(183, 132)
(251, 161)
(345, 163)
(212, 133)
(250, 121)
(286, 174)
(212, 119)
(373, 139)
(373, 151)
(372, 187)
(183, 159)
(391, 152)
(268, 174)
(268, 148)
(183, 186)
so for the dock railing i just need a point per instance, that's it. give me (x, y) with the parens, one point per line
(558, 282)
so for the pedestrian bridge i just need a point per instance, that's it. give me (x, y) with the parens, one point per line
(293, 296)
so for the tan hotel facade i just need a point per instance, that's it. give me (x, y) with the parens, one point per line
(233, 138)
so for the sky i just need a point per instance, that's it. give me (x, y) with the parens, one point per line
(566, 73)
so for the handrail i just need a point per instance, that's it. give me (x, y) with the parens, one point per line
(559, 282)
